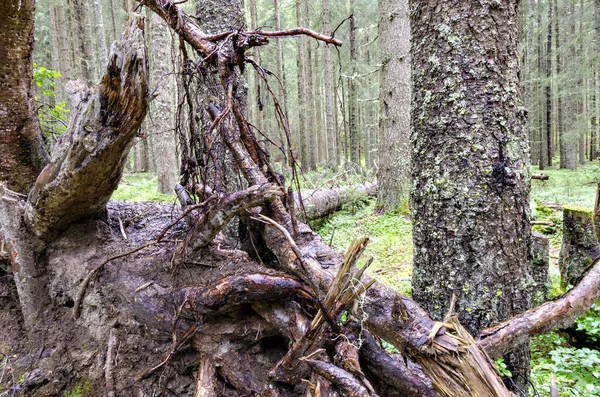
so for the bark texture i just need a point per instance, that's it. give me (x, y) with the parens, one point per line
(21, 145)
(394, 98)
(88, 163)
(580, 243)
(470, 195)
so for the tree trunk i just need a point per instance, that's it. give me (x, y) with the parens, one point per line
(309, 92)
(163, 108)
(302, 95)
(18, 121)
(84, 31)
(283, 85)
(353, 132)
(472, 233)
(330, 107)
(394, 99)
(100, 34)
(548, 89)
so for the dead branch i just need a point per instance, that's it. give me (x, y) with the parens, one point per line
(551, 315)
(225, 207)
(347, 384)
(233, 291)
(296, 32)
(94, 148)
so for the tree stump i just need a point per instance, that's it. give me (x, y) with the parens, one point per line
(579, 244)
(539, 270)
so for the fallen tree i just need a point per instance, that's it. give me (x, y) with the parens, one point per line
(134, 300)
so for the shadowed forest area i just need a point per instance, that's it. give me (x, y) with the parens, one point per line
(299, 198)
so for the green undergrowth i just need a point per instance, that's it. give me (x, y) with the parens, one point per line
(141, 186)
(567, 187)
(390, 241)
(576, 371)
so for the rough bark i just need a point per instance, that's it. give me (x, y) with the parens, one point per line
(99, 136)
(580, 243)
(470, 196)
(21, 145)
(394, 99)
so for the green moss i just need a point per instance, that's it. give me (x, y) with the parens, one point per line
(141, 186)
(578, 209)
(82, 389)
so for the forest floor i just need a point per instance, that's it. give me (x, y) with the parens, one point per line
(577, 370)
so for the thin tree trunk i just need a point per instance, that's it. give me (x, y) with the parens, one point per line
(302, 103)
(394, 100)
(309, 100)
(330, 120)
(102, 51)
(352, 93)
(86, 57)
(282, 75)
(163, 109)
(548, 88)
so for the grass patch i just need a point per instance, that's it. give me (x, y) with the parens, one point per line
(567, 187)
(391, 243)
(141, 186)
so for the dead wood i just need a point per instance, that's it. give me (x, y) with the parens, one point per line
(322, 202)
(223, 208)
(394, 370)
(88, 162)
(560, 313)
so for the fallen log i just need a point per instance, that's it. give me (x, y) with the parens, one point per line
(322, 202)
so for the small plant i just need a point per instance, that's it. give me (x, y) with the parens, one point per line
(502, 368)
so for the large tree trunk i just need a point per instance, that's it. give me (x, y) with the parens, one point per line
(394, 99)
(19, 126)
(470, 197)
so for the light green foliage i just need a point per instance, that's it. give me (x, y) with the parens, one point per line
(590, 323)
(140, 186)
(53, 115)
(80, 390)
(502, 368)
(577, 371)
(390, 246)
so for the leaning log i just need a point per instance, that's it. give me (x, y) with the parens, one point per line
(318, 203)
(561, 313)
(88, 162)
(579, 244)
